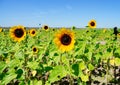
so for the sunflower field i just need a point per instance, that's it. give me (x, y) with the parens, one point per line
(65, 56)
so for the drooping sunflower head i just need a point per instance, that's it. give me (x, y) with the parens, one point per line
(35, 49)
(115, 31)
(92, 24)
(17, 33)
(45, 27)
(32, 32)
(64, 39)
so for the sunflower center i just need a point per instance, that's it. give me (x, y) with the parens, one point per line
(33, 32)
(46, 27)
(19, 33)
(92, 24)
(65, 39)
(34, 49)
(53, 29)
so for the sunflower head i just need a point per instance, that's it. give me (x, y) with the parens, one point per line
(45, 27)
(17, 33)
(35, 49)
(92, 24)
(64, 39)
(73, 27)
(1, 29)
(53, 29)
(104, 30)
(32, 32)
(118, 35)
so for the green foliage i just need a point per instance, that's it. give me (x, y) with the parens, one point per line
(92, 47)
(57, 73)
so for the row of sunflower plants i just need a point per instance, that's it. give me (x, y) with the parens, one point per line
(50, 56)
(21, 52)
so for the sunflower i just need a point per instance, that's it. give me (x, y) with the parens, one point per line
(104, 30)
(87, 31)
(32, 32)
(18, 33)
(45, 27)
(34, 49)
(64, 39)
(118, 35)
(92, 24)
(53, 29)
(1, 29)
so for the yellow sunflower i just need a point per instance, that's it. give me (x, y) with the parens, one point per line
(53, 29)
(104, 30)
(1, 29)
(35, 49)
(32, 32)
(92, 24)
(64, 39)
(45, 27)
(17, 33)
(118, 35)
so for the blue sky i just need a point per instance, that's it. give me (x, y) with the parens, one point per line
(60, 13)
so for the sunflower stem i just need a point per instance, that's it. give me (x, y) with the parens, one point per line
(25, 69)
(61, 58)
(71, 78)
(25, 64)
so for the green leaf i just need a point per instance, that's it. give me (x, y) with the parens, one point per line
(82, 65)
(117, 61)
(5, 54)
(117, 50)
(81, 48)
(33, 65)
(56, 54)
(97, 46)
(90, 66)
(109, 49)
(85, 78)
(48, 68)
(2, 66)
(13, 63)
(107, 55)
(86, 50)
(89, 55)
(22, 83)
(35, 82)
(65, 60)
(57, 59)
(75, 68)
(86, 26)
(8, 78)
(57, 73)
(19, 55)
(19, 72)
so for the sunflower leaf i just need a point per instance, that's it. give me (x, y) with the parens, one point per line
(90, 66)
(8, 78)
(82, 65)
(117, 61)
(33, 65)
(75, 68)
(57, 73)
(2, 66)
